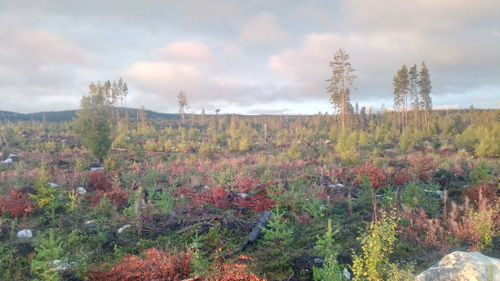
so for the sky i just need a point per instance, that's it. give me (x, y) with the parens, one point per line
(249, 57)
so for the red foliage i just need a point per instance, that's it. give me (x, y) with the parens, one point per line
(258, 202)
(423, 229)
(253, 195)
(156, 265)
(98, 181)
(486, 191)
(402, 177)
(234, 271)
(422, 167)
(375, 175)
(16, 204)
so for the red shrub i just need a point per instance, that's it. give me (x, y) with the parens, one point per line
(375, 175)
(402, 177)
(16, 204)
(422, 167)
(98, 181)
(234, 271)
(486, 191)
(258, 202)
(156, 265)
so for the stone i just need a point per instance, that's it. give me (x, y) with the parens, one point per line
(347, 274)
(8, 161)
(81, 191)
(123, 228)
(462, 266)
(92, 169)
(25, 234)
(61, 265)
(53, 184)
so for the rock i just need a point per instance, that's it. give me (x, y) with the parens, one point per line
(61, 265)
(242, 195)
(462, 266)
(123, 228)
(25, 234)
(13, 157)
(8, 161)
(347, 274)
(53, 184)
(90, 227)
(81, 191)
(92, 169)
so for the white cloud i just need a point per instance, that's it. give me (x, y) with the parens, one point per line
(186, 51)
(263, 28)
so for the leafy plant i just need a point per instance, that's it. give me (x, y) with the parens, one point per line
(43, 265)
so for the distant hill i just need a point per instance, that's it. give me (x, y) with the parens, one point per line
(67, 115)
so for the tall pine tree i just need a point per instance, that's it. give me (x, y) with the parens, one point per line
(341, 85)
(414, 94)
(425, 93)
(400, 84)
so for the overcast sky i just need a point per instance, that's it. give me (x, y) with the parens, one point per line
(259, 56)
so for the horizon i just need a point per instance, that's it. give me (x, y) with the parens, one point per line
(259, 58)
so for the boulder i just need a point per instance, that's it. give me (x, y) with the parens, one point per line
(25, 234)
(462, 266)
(81, 190)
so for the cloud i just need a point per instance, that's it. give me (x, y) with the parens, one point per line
(186, 51)
(36, 64)
(263, 29)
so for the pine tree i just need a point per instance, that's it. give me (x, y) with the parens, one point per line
(425, 90)
(414, 94)
(93, 123)
(43, 266)
(400, 84)
(183, 104)
(341, 85)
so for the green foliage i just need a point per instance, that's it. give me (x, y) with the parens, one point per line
(331, 271)
(482, 172)
(46, 195)
(422, 195)
(346, 146)
(325, 244)
(93, 123)
(278, 238)
(377, 245)
(48, 250)
(163, 200)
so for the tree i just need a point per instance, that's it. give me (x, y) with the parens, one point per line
(425, 90)
(93, 123)
(400, 84)
(183, 104)
(341, 84)
(414, 94)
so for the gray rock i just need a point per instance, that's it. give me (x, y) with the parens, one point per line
(347, 274)
(8, 161)
(92, 169)
(25, 234)
(54, 185)
(123, 228)
(462, 266)
(61, 265)
(81, 191)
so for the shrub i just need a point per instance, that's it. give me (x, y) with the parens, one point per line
(376, 244)
(481, 173)
(16, 204)
(42, 266)
(374, 174)
(156, 265)
(233, 271)
(422, 167)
